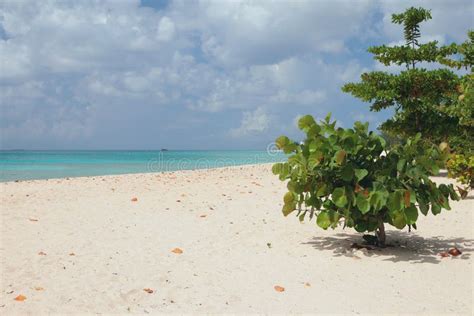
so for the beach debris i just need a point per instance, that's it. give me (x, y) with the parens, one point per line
(72, 254)
(454, 252)
(10, 292)
(149, 291)
(358, 246)
(33, 219)
(279, 288)
(20, 298)
(444, 254)
(203, 215)
(177, 251)
(269, 245)
(134, 199)
(41, 253)
(307, 284)
(178, 201)
(462, 192)
(39, 288)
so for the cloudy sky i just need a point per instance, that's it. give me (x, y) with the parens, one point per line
(190, 74)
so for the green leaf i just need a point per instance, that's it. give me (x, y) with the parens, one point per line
(362, 204)
(347, 173)
(361, 226)
(306, 122)
(327, 119)
(339, 197)
(411, 214)
(315, 159)
(435, 208)
(399, 220)
(454, 196)
(301, 217)
(288, 208)
(340, 155)
(394, 202)
(282, 141)
(401, 164)
(444, 202)
(314, 131)
(289, 148)
(360, 174)
(322, 190)
(424, 207)
(323, 220)
(378, 200)
(288, 198)
(276, 168)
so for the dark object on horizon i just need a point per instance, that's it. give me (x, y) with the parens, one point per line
(164, 149)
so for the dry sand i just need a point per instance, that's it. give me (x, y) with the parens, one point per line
(83, 246)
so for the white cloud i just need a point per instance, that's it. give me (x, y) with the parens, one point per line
(235, 33)
(252, 123)
(65, 65)
(165, 29)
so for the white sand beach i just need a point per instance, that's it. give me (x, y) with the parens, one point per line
(81, 245)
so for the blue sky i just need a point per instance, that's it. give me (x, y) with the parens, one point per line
(190, 74)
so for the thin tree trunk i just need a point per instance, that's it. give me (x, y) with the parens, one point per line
(381, 234)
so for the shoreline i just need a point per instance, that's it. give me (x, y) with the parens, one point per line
(96, 244)
(138, 173)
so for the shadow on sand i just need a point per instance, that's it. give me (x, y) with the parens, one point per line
(402, 246)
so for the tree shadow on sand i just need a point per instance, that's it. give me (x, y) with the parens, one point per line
(402, 246)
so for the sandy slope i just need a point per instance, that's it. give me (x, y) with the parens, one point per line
(232, 258)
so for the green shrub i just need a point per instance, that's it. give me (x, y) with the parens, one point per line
(461, 167)
(348, 174)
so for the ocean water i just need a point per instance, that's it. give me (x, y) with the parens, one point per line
(27, 165)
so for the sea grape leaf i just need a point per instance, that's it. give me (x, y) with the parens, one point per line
(360, 173)
(434, 169)
(301, 217)
(282, 141)
(399, 220)
(362, 203)
(314, 159)
(289, 148)
(424, 207)
(288, 208)
(435, 208)
(347, 173)
(377, 200)
(444, 202)
(276, 168)
(340, 155)
(305, 122)
(401, 164)
(288, 198)
(411, 214)
(322, 190)
(406, 198)
(323, 220)
(394, 202)
(314, 130)
(361, 226)
(339, 197)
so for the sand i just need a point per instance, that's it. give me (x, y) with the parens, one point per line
(81, 245)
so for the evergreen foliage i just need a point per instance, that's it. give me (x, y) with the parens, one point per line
(426, 101)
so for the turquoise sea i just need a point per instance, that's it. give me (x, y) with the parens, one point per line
(23, 165)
